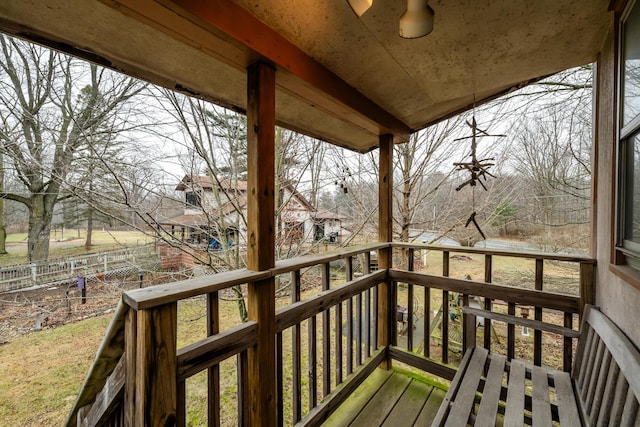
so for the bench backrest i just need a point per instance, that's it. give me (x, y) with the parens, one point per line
(606, 373)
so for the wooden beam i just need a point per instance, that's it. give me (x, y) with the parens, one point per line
(304, 76)
(261, 378)
(385, 234)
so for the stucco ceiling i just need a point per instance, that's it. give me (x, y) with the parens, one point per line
(340, 78)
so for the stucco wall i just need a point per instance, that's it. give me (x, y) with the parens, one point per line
(617, 299)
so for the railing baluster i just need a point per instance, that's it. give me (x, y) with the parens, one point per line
(567, 355)
(445, 310)
(313, 370)
(338, 344)
(537, 337)
(511, 333)
(410, 267)
(349, 277)
(326, 338)
(297, 353)
(393, 324)
(367, 322)
(242, 372)
(488, 277)
(213, 373)
(359, 329)
(279, 379)
(366, 268)
(468, 326)
(375, 317)
(427, 322)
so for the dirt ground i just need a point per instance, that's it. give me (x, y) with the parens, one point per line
(47, 307)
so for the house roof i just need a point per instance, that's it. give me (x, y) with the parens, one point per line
(325, 214)
(340, 78)
(186, 220)
(206, 183)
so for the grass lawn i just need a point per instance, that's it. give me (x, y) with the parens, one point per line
(72, 244)
(41, 373)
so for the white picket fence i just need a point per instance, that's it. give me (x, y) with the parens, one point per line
(26, 275)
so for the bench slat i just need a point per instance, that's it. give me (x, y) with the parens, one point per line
(463, 402)
(491, 392)
(541, 407)
(584, 346)
(599, 397)
(622, 350)
(630, 410)
(594, 375)
(453, 389)
(619, 398)
(609, 394)
(530, 323)
(588, 368)
(514, 413)
(567, 407)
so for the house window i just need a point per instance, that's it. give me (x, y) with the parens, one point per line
(629, 148)
(193, 198)
(318, 232)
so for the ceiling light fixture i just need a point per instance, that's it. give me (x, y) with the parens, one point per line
(417, 20)
(359, 7)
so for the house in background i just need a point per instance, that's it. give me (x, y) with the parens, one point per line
(215, 213)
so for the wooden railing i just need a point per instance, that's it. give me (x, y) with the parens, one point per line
(559, 309)
(139, 366)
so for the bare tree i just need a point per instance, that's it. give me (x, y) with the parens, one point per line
(51, 106)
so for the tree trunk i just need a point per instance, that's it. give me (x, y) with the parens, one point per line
(87, 242)
(39, 229)
(3, 231)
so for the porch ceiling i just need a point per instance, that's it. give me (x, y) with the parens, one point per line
(340, 78)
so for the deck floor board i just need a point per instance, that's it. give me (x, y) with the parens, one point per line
(388, 398)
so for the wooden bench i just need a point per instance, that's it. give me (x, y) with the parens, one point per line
(603, 388)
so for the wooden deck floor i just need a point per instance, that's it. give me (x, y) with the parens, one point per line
(389, 398)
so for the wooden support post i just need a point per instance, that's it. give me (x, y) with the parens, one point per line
(156, 382)
(261, 393)
(587, 288)
(385, 230)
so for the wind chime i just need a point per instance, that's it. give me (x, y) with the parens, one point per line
(479, 169)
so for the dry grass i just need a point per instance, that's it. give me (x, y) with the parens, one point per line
(41, 373)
